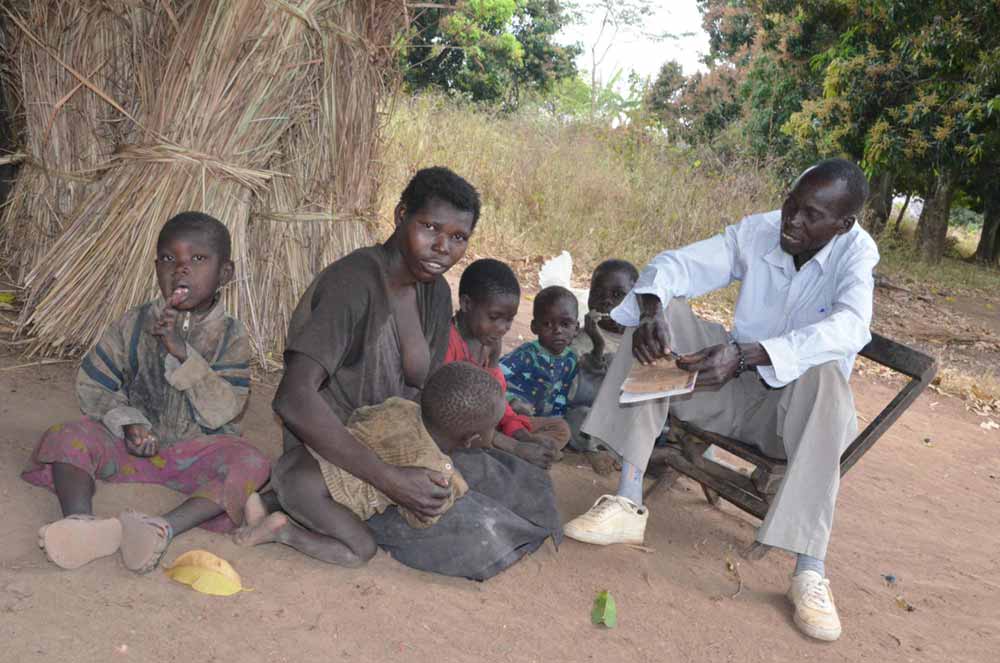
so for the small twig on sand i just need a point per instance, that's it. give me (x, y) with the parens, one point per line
(644, 549)
(734, 568)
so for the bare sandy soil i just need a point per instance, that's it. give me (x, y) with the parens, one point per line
(922, 506)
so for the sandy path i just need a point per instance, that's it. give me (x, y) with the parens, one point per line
(925, 513)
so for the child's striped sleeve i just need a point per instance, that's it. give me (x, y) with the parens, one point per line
(101, 383)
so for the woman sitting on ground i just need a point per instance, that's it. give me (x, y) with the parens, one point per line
(374, 325)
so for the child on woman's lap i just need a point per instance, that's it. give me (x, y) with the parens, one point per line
(163, 392)
(460, 407)
(489, 296)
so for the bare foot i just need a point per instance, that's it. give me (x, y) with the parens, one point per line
(254, 511)
(266, 530)
(602, 462)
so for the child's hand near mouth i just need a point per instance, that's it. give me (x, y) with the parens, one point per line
(166, 326)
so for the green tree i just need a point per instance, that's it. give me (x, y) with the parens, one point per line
(488, 50)
(907, 88)
(664, 95)
(615, 18)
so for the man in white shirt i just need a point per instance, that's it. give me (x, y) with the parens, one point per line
(780, 380)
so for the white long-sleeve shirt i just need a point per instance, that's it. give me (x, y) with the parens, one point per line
(803, 318)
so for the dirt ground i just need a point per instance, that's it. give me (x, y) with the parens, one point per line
(922, 506)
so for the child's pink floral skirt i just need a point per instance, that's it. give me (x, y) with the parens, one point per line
(222, 468)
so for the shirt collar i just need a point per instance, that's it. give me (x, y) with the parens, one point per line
(777, 256)
(823, 256)
(543, 351)
(217, 312)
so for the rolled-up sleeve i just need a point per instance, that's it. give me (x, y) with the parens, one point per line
(839, 336)
(218, 393)
(688, 272)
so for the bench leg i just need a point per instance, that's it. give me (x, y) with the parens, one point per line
(667, 478)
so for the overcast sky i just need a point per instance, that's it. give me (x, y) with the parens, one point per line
(631, 51)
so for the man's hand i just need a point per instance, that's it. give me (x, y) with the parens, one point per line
(165, 328)
(716, 365)
(651, 339)
(140, 440)
(422, 491)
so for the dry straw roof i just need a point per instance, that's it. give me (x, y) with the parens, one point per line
(263, 113)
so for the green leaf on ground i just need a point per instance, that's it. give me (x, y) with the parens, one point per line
(6, 297)
(604, 611)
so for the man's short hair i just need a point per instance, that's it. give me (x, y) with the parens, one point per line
(848, 172)
(441, 183)
(616, 265)
(458, 397)
(487, 278)
(547, 297)
(187, 224)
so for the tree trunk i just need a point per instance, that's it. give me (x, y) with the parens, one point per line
(932, 229)
(902, 215)
(988, 251)
(878, 206)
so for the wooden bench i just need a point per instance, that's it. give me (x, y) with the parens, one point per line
(752, 491)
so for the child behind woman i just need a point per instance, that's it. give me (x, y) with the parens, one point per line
(540, 372)
(609, 283)
(163, 393)
(489, 296)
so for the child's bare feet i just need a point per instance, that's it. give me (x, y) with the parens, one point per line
(602, 462)
(258, 527)
(265, 530)
(254, 511)
(77, 540)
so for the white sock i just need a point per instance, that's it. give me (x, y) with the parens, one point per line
(630, 484)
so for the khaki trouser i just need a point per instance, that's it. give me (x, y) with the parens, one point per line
(810, 422)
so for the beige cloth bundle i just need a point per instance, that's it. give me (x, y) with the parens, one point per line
(395, 431)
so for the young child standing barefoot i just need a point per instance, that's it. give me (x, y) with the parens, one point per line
(163, 393)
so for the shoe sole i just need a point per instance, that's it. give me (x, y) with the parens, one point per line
(70, 544)
(817, 632)
(602, 539)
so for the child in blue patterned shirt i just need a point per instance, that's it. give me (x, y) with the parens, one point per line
(540, 372)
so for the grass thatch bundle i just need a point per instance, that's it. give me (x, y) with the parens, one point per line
(244, 107)
(325, 206)
(67, 130)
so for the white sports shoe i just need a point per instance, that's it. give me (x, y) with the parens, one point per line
(612, 519)
(815, 612)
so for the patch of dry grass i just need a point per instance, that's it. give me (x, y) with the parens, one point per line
(599, 193)
(549, 186)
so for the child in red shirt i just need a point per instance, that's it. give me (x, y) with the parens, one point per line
(489, 295)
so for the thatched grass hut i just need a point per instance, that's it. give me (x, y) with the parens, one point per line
(263, 113)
